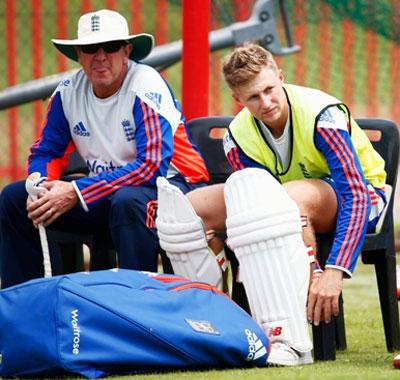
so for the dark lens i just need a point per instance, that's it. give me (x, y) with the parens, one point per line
(112, 47)
(108, 47)
(90, 49)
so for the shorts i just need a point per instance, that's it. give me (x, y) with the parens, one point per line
(378, 202)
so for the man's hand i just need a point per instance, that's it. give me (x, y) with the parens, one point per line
(323, 296)
(57, 198)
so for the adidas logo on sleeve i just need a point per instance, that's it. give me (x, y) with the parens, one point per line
(155, 98)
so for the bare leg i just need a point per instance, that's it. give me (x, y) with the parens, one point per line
(314, 197)
(318, 203)
(209, 204)
(317, 200)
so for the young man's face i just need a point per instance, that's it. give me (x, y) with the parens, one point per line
(264, 97)
(106, 70)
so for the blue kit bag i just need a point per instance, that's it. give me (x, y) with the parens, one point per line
(122, 321)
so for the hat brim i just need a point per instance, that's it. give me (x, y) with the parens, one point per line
(142, 45)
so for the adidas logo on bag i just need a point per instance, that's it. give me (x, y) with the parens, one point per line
(256, 346)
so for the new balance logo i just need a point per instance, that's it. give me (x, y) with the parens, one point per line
(256, 346)
(81, 130)
(154, 97)
(275, 331)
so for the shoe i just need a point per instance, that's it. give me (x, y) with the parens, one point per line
(282, 354)
(398, 281)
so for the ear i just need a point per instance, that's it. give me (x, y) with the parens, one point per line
(78, 53)
(128, 49)
(281, 75)
(236, 98)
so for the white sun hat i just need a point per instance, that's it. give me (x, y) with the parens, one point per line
(104, 26)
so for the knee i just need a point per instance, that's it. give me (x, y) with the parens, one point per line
(303, 199)
(126, 197)
(12, 197)
(209, 204)
(125, 204)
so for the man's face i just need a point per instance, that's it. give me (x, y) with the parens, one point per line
(264, 97)
(105, 65)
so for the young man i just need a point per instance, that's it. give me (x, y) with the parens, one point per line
(289, 143)
(124, 121)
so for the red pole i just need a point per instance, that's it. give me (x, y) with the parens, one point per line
(86, 6)
(11, 51)
(371, 46)
(111, 4)
(137, 16)
(61, 27)
(36, 59)
(324, 38)
(215, 71)
(300, 31)
(242, 9)
(242, 12)
(161, 35)
(395, 68)
(349, 66)
(395, 81)
(195, 53)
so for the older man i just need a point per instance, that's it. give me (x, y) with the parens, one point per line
(124, 121)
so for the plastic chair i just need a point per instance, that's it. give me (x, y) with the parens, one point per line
(70, 244)
(378, 248)
(207, 133)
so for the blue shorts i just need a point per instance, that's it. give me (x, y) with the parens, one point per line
(378, 202)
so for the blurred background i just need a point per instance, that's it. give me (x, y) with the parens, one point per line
(349, 48)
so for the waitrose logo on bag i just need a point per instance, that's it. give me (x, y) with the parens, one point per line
(76, 331)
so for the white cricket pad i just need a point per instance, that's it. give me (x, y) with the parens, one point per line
(264, 231)
(182, 236)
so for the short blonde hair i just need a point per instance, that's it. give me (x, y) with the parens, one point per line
(244, 63)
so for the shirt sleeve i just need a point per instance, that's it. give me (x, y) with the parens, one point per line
(236, 157)
(334, 141)
(154, 144)
(49, 154)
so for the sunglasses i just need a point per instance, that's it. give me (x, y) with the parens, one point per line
(108, 47)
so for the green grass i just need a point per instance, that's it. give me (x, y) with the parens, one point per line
(365, 358)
